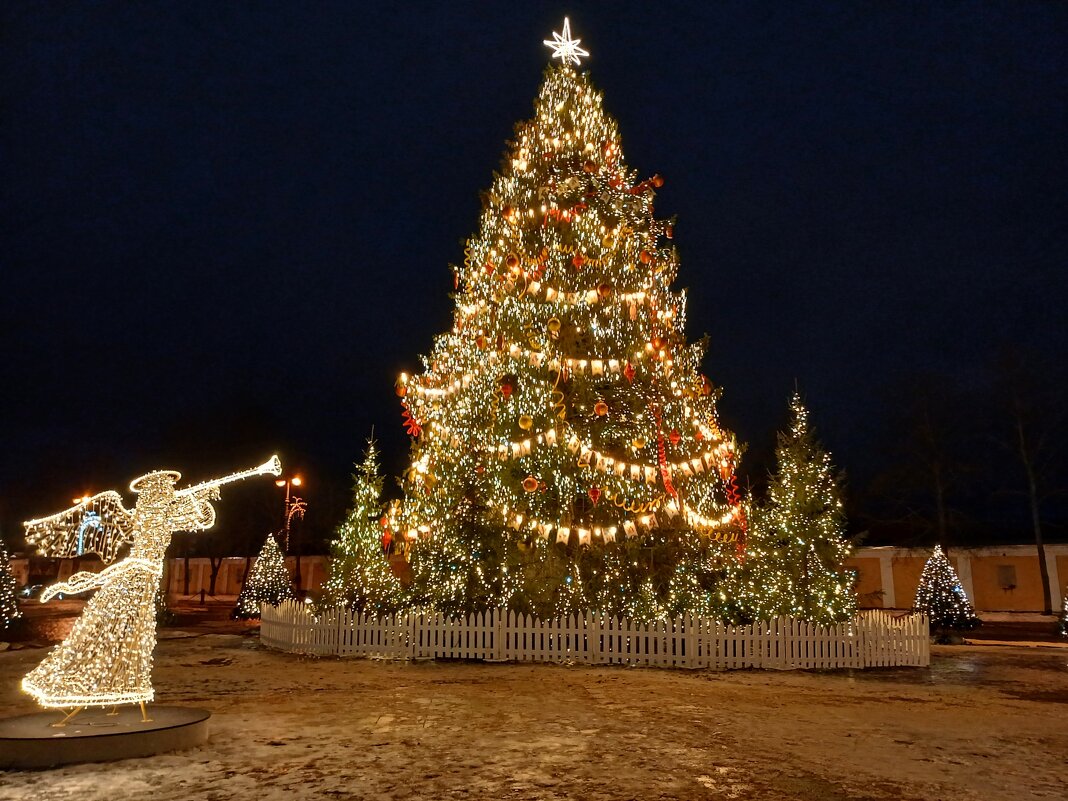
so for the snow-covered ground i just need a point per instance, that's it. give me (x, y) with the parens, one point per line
(982, 723)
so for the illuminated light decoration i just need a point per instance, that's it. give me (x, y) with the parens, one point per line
(552, 290)
(268, 582)
(107, 658)
(941, 596)
(360, 577)
(796, 541)
(9, 607)
(90, 521)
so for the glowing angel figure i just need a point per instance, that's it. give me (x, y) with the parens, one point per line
(107, 659)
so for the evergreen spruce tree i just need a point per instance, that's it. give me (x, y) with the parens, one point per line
(9, 608)
(1064, 614)
(268, 582)
(565, 411)
(360, 576)
(797, 539)
(942, 598)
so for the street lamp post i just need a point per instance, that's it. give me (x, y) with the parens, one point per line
(294, 507)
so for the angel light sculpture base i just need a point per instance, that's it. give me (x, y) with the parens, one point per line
(107, 659)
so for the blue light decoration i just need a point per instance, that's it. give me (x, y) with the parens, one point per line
(90, 520)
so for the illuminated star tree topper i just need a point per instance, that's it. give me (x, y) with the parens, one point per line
(564, 47)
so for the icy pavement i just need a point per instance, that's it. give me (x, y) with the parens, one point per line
(982, 723)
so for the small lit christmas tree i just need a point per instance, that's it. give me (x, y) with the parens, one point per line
(1064, 614)
(360, 575)
(797, 539)
(562, 429)
(9, 608)
(942, 598)
(268, 582)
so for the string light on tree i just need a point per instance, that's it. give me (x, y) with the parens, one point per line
(9, 607)
(941, 597)
(107, 658)
(797, 540)
(565, 443)
(268, 582)
(360, 575)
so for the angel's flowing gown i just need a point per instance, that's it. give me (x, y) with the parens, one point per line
(107, 659)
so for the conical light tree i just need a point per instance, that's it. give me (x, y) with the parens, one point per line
(360, 575)
(798, 540)
(9, 608)
(941, 596)
(268, 582)
(565, 409)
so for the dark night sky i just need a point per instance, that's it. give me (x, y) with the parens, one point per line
(227, 226)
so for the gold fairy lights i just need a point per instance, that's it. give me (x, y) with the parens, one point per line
(107, 658)
(565, 329)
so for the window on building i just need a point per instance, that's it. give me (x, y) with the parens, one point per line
(1007, 577)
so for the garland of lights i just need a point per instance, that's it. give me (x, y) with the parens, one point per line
(107, 658)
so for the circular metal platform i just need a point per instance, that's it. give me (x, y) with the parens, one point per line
(31, 741)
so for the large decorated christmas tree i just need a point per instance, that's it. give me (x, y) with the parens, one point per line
(566, 447)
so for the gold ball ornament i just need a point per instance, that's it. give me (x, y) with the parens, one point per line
(600, 408)
(605, 290)
(511, 261)
(526, 422)
(638, 443)
(530, 484)
(554, 325)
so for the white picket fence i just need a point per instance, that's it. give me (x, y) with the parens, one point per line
(871, 639)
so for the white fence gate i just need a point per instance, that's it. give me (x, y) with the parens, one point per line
(871, 639)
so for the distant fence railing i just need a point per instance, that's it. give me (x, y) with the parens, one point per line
(871, 639)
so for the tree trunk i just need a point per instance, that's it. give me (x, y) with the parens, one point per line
(216, 563)
(1036, 518)
(940, 508)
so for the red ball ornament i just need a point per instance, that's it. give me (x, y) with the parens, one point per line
(480, 341)
(659, 343)
(657, 181)
(530, 483)
(401, 390)
(629, 372)
(595, 494)
(604, 290)
(511, 261)
(578, 260)
(675, 437)
(506, 391)
(600, 408)
(645, 256)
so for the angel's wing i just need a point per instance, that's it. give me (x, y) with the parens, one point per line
(99, 525)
